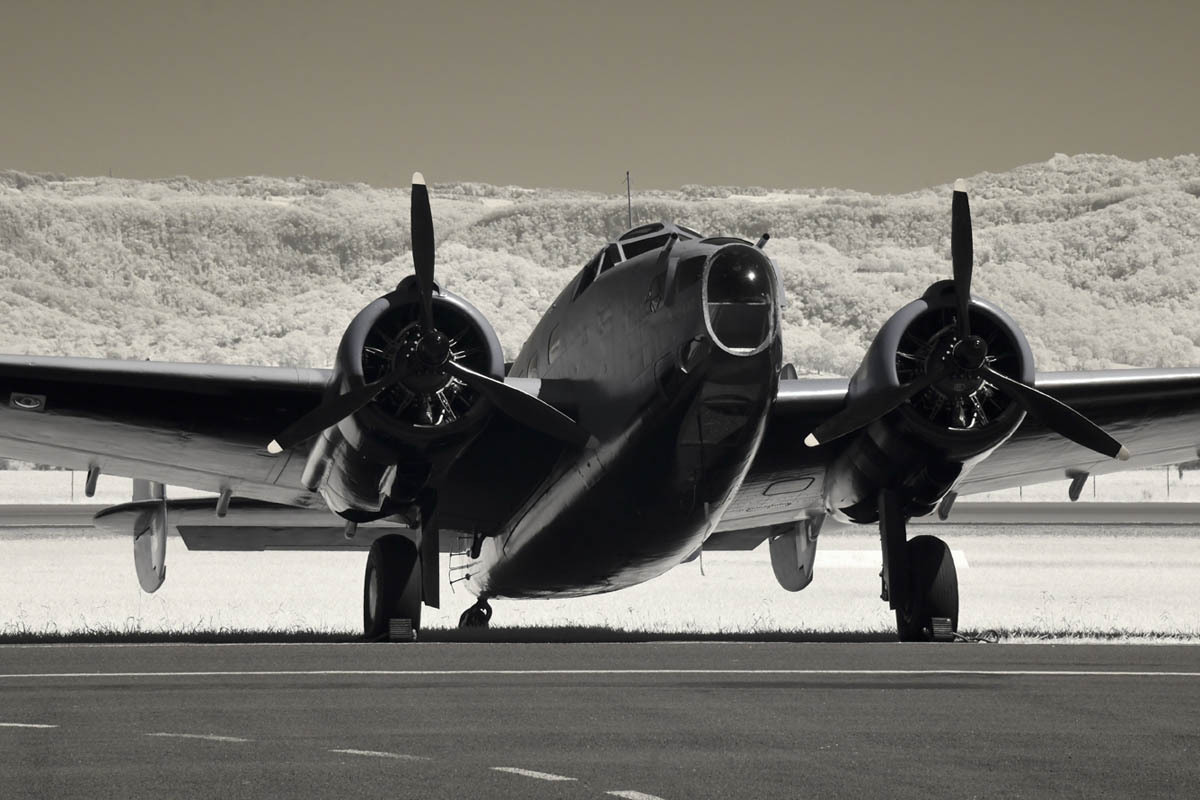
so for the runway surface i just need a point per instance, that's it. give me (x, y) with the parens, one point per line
(595, 721)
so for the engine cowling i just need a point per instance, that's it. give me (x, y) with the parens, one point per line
(923, 447)
(377, 460)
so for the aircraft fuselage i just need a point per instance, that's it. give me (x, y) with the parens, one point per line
(673, 364)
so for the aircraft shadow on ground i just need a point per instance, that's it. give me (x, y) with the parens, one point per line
(498, 635)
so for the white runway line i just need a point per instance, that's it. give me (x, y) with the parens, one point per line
(400, 673)
(381, 754)
(529, 773)
(208, 737)
(24, 725)
(632, 795)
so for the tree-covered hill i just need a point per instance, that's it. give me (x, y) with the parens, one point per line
(1096, 257)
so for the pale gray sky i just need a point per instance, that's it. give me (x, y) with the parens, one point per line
(882, 96)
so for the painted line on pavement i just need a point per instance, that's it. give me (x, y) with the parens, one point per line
(399, 673)
(381, 754)
(629, 794)
(24, 725)
(208, 737)
(529, 773)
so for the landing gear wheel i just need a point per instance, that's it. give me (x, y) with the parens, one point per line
(392, 585)
(933, 590)
(477, 616)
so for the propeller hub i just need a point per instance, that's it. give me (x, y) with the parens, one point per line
(433, 349)
(970, 354)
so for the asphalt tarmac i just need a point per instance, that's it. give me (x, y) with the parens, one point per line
(637, 721)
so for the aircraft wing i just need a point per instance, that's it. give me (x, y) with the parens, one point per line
(1155, 413)
(196, 425)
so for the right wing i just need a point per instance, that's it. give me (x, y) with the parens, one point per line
(196, 425)
(206, 427)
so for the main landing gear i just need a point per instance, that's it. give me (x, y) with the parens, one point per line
(392, 585)
(919, 579)
(477, 616)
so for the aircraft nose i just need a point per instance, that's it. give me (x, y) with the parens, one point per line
(740, 308)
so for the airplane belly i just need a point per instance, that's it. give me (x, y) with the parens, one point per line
(632, 510)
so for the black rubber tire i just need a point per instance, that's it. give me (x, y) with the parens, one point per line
(934, 589)
(477, 616)
(391, 585)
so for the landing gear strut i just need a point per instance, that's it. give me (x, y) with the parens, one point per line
(919, 579)
(477, 616)
(392, 585)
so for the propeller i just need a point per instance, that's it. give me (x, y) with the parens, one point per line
(968, 357)
(430, 361)
(869, 408)
(422, 245)
(962, 255)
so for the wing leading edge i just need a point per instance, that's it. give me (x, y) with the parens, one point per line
(1155, 413)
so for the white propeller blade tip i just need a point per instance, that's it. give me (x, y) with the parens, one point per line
(273, 448)
(960, 186)
(811, 441)
(1123, 455)
(418, 179)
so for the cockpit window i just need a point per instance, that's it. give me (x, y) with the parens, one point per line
(612, 257)
(641, 230)
(588, 274)
(644, 245)
(635, 242)
(603, 261)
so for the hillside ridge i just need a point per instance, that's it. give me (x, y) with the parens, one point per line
(1095, 256)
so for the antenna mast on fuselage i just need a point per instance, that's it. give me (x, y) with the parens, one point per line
(629, 197)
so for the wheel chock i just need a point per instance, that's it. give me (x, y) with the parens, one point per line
(941, 629)
(401, 630)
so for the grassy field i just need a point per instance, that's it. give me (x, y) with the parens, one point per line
(1108, 582)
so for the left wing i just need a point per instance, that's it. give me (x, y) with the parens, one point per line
(1155, 413)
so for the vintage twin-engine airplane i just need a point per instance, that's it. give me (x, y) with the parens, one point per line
(649, 415)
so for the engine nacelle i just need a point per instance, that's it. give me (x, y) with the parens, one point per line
(923, 448)
(150, 534)
(376, 461)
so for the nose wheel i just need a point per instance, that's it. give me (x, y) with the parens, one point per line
(477, 616)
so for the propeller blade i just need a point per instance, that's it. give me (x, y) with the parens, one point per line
(962, 253)
(330, 413)
(1059, 416)
(868, 409)
(522, 407)
(422, 246)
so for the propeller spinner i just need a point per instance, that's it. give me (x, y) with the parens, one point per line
(429, 359)
(968, 356)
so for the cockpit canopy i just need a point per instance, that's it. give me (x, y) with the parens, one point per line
(652, 236)
(631, 243)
